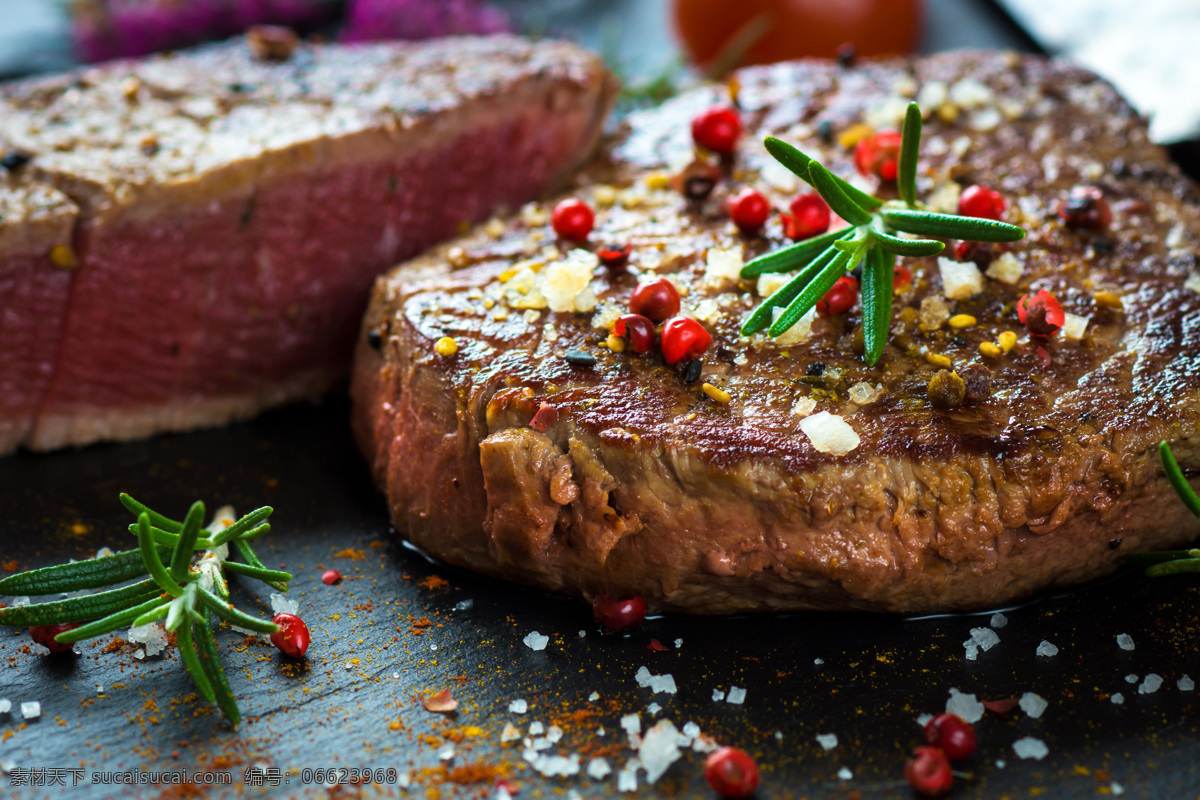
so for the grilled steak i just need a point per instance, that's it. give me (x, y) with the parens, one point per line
(220, 218)
(633, 481)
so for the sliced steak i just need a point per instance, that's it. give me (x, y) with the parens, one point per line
(635, 482)
(232, 212)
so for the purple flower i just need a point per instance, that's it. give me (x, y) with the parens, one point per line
(375, 20)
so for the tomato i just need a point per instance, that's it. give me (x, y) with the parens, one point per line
(797, 27)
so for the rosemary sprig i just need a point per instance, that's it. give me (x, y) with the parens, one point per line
(178, 587)
(1171, 562)
(871, 238)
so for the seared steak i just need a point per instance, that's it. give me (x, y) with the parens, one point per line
(227, 215)
(633, 481)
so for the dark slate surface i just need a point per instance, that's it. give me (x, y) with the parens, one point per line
(878, 674)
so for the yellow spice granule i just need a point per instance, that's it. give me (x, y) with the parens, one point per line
(657, 180)
(719, 395)
(63, 256)
(446, 346)
(854, 134)
(990, 350)
(960, 321)
(938, 360)
(1007, 340)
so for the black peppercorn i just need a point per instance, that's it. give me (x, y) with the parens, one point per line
(815, 369)
(375, 338)
(13, 160)
(580, 358)
(692, 373)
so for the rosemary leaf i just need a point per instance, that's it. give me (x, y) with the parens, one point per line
(910, 143)
(156, 519)
(1174, 567)
(165, 538)
(252, 559)
(185, 548)
(1149, 559)
(761, 317)
(118, 619)
(876, 302)
(154, 563)
(191, 660)
(153, 615)
(928, 223)
(260, 573)
(75, 576)
(813, 292)
(1178, 481)
(243, 526)
(791, 257)
(76, 609)
(226, 610)
(799, 163)
(210, 661)
(838, 200)
(908, 247)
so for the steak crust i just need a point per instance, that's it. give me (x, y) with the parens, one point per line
(228, 215)
(644, 485)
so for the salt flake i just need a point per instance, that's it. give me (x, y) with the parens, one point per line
(845, 774)
(1117, 699)
(998, 620)
(986, 638)
(1131, 677)
(659, 749)
(593, 697)
(965, 706)
(1047, 649)
(736, 696)
(282, 605)
(5, 706)
(536, 641)
(828, 741)
(1030, 747)
(31, 710)
(1185, 684)
(1150, 684)
(664, 684)
(510, 733)
(598, 769)
(1125, 641)
(1033, 705)
(518, 706)
(642, 676)
(718, 695)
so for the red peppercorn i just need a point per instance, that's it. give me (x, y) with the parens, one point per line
(810, 216)
(1040, 313)
(928, 771)
(717, 129)
(44, 635)
(572, 219)
(292, 636)
(902, 276)
(731, 773)
(840, 298)
(331, 576)
(953, 734)
(980, 201)
(878, 155)
(1085, 208)
(683, 337)
(614, 256)
(636, 330)
(749, 210)
(656, 300)
(618, 615)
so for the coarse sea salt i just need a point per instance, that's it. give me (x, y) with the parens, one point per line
(598, 769)
(631, 723)
(736, 696)
(518, 706)
(593, 697)
(1125, 641)
(536, 641)
(1047, 649)
(653, 709)
(31, 709)
(510, 733)
(972, 649)
(999, 620)
(924, 719)
(986, 638)
(1030, 747)
(663, 684)
(678, 643)
(828, 741)
(845, 774)
(1033, 705)
(966, 706)
(1117, 698)
(282, 605)
(627, 777)
(1150, 684)
(536, 729)
(152, 636)
(659, 749)
(718, 695)
(5, 706)
(1131, 677)
(446, 752)
(1185, 684)
(642, 676)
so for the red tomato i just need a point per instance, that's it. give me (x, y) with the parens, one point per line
(797, 28)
